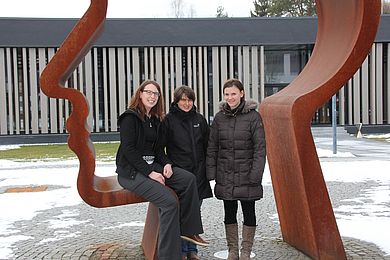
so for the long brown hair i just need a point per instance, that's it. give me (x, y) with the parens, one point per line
(136, 103)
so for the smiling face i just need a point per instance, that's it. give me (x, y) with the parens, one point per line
(185, 103)
(149, 97)
(232, 96)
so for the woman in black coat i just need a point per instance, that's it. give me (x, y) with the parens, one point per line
(185, 137)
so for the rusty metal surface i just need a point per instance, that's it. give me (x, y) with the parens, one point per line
(94, 190)
(346, 31)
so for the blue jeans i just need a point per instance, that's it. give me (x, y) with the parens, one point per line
(187, 247)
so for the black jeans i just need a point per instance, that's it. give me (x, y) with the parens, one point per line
(175, 218)
(248, 211)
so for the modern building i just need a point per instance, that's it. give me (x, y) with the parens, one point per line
(265, 53)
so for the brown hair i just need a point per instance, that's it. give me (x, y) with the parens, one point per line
(136, 103)
(234, 83)
(183, 90)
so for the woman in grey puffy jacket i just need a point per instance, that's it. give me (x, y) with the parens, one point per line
(235, 160)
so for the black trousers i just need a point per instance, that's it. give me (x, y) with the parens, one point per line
(176, 219)
(248, 211)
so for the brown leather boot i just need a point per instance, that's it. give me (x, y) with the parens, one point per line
(232, 240)
(248, 234)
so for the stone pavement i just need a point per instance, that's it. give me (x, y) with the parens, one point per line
(115, 233)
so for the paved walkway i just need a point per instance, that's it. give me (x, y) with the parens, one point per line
(115, 233)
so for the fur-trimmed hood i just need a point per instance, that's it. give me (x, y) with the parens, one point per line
(244, 107)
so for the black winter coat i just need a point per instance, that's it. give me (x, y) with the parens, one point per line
(236, 152)
(185, 139)
(129, 161)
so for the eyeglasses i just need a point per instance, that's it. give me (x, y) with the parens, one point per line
(150, 93)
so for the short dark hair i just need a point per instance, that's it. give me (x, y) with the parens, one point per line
(234, 83)
(183, 90)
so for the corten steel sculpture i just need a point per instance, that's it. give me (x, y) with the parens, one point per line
(94, 190)
(346, 31)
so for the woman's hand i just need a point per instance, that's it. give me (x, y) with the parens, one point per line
(167, 172)
(157, 177)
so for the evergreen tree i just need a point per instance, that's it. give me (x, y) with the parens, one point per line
(221, 12)
(283, 8)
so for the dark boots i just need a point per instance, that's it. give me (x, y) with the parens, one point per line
(248, 234)
(232, 240)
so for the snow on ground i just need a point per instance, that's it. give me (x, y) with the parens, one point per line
(364, 219)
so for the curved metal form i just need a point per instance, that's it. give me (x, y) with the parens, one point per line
(346, 31)
(94, 190)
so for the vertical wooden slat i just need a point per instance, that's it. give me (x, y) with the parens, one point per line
(96, 89)
(26, 100)
(16, 91)
(262, 74)
(33, 90)
(146, 63)
(129, 76)
(387, 84)
(10, 93)
(342, 106)
(43, 97)
(365, 95)
(203, 109)
(89, 89)
(246, 76)
(239, 65)
(159, 67)
(3, 105)
(167, 77)
(231, 62)
(194, 75)
(356, 97)
(136, 67)
(255, 73)
(105, 91)
(373, 85)
(57, 117)
(350, 102)
(190, 69)
(121, 80)
(217, 88)
(224, 65)
(151, 64)
(178, 67)
(206, 83)
(113, 89)
(379, 83)
(172, 74)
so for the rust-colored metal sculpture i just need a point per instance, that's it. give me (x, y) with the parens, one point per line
(95, 190)
(346, 31)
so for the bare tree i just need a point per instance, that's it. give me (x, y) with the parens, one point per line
(178, 8)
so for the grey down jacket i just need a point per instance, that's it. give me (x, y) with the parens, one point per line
(236, 152)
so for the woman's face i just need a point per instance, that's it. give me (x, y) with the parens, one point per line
(149, 96)
(232, 96)
(185, 103)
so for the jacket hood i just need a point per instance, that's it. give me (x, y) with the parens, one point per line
(129, 111)
(247, 105)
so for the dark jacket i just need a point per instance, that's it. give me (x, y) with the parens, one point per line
(129, 160)
(185, 138)
(236, 152)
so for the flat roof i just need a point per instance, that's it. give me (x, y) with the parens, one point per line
(161, 32)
